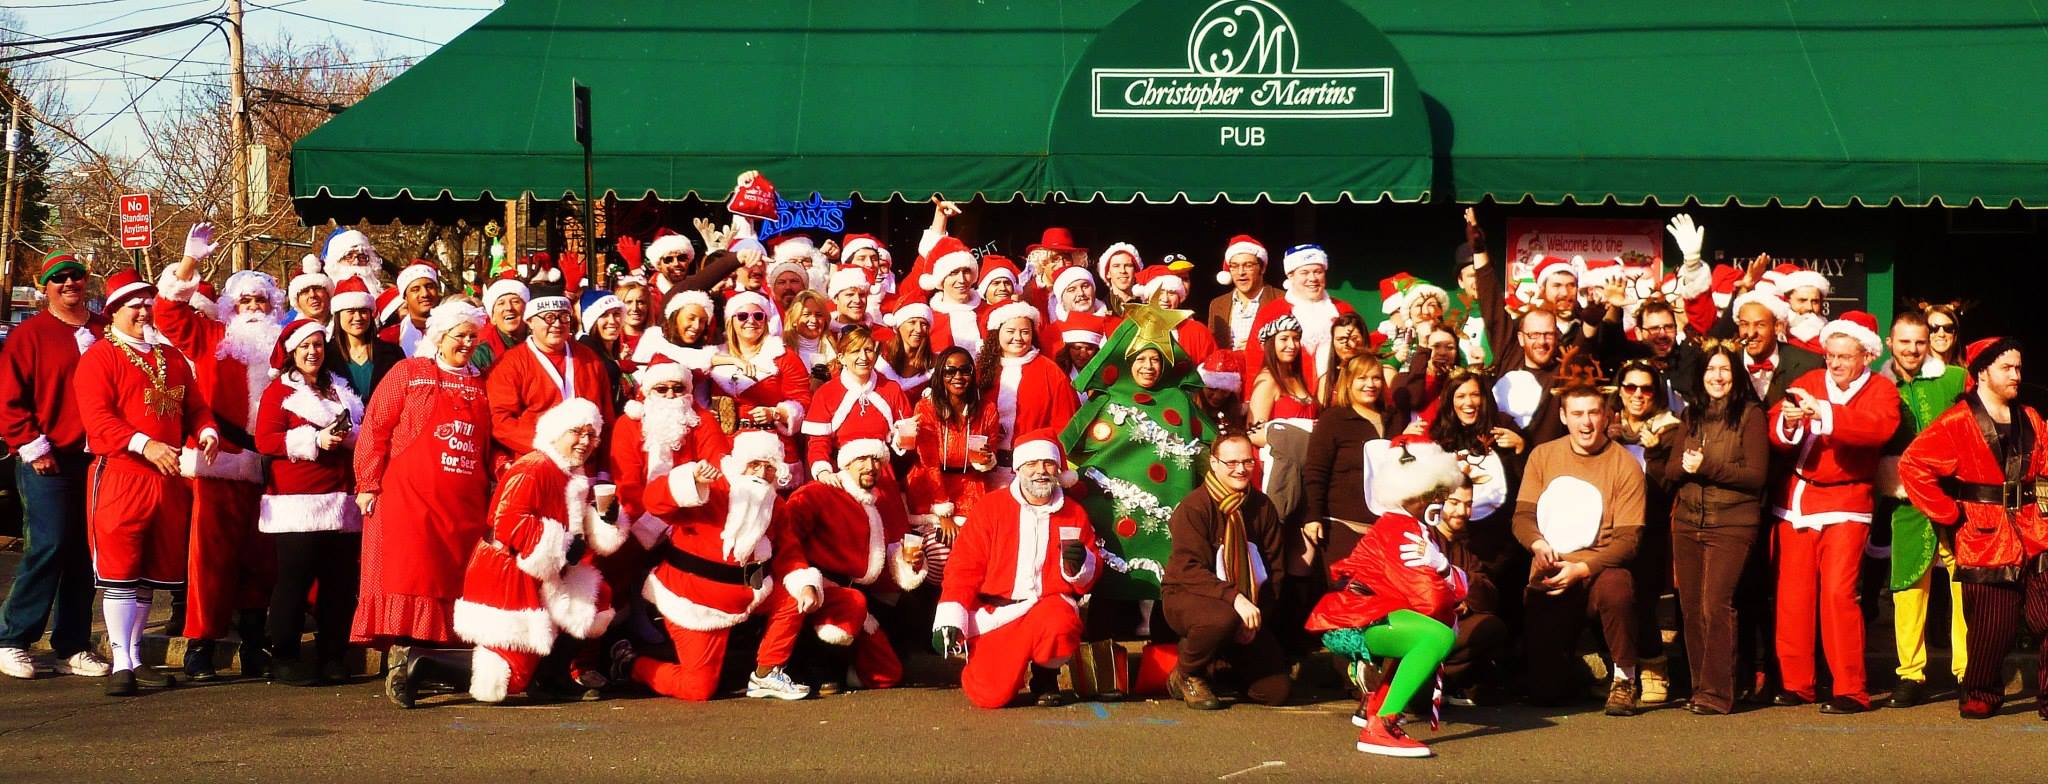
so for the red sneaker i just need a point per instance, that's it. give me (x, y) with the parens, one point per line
(1362, 716)
(1385, 738)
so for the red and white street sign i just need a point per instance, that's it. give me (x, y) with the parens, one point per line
(135, 226)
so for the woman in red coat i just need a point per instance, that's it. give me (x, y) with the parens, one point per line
(856, 404)
(1029, 391)
(306, 425)
(950, 474)
(1396, 596)
(767, 382)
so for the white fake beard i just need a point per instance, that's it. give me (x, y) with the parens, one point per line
(250, 337)
(666, 421)
(750, 506)
(1806, 326)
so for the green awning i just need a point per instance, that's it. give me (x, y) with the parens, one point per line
(1834, 102)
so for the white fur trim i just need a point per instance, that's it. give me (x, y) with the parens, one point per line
(527, 630)
(1244, 247)
(550, 552)
(171, 287)
(564, 417)
(302, 443)
(490, 676)
(1089, 566)
(1863, 335)
(1031, 451)
(1887, 479)
(666, 244)
(952, 614)
(320, 411)
(504, 286)
(572, 602)
(1394, 483)
(831, 634)
(696, 617)
(243, 466)
(1804, 278)
(606, 538)
(1771, 302)
(946, 265)
(807, 577)
(1303, 257)
(943, 509)
(687, 298)
(902, 574)
(1012, 310)
(301, 512)
(682, 484)
(34, 450)
(862, 447)
(914, 310)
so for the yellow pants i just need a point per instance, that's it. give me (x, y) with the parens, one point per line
(1909, 622)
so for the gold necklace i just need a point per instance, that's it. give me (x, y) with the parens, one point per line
(162, 399)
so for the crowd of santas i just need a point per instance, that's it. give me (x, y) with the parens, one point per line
(573, 490)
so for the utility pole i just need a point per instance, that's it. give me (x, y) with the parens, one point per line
(238, 131)
(7, 207)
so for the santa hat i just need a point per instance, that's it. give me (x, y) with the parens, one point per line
(1082, 328)
(755, 445)
(124, 285)
(1391, 289)
(242, 284)
(1056, 239)
(1069, 277)
(288, 341)
(507, 283)
(1043, 444)
(1154, 278)
(846, 277)
(564, 417)
(1773, 279)
(1856, 324)
(1546, 266)
(448, 315)
(387, 305)
(419, 269)
(1223, 370)
(790, 247)
(1302, 256)
(670, 243)
(855, 243)
(775, 271)
(661, 369)
(685, 298)
(1779, 310)
(1723, 286)
(1242, 243)
(1102, 261)
(993, 267)
(1978, 356)
(947, 255)
(306, 280)
(594, 304)
(1800, 278)
(350, 294)
(347, 240)
(539, 305)
(862, 447)
(56, 262)
(537, 268)
(1595, 273)
(1411, 467)
(906, 311)
(1015, 309)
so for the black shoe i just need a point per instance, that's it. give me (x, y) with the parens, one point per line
(121, 683)
(1787, 699)
(401, 682)
(154, 678)
(622, 657)
(333, 672)
(294, 672)
(256, 661)
(1697, 709)
(1907, 694)
(199, 665)
(1843, 706)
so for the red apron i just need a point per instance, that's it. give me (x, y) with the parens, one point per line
(433, 511)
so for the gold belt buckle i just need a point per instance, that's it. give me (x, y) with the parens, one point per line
(2041, 496)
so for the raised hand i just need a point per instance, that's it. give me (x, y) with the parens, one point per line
(199, 242)
(1691, 237)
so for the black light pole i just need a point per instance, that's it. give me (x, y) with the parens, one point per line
(590, 260)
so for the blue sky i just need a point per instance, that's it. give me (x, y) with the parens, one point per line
(97, 86)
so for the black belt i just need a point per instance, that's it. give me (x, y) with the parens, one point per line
(961, 471)
(751, 575)
(992, 600)
(2009, 495)
(834, 577)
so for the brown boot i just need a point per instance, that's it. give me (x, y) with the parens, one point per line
(1621, 698)
(1193, 690)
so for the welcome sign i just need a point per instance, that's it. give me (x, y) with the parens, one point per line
(1241, 99)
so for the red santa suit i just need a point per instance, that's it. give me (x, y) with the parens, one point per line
(309, 489)
(232, 567)
(526, 585)
(854, 538)
(730, 555)
(1032, 393)
(957, 324)
(528, 381)
(772, 379)
(137, 518)
(1007, 589)
(647, 443)
(845, 410)
(1316, 318)
(1823, 510)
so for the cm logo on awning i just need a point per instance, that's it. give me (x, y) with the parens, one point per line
(1243, 60)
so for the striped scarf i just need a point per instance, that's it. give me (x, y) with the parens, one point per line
(1237, 561)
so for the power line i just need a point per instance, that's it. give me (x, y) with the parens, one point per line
(70, 5)
(344, 24)
(150, 9)
(430, 7)
(102, 40)
(145, 91)
(155, 28)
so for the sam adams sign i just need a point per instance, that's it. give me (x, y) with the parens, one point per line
(1244, 98)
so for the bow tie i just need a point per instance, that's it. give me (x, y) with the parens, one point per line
(1765, 366)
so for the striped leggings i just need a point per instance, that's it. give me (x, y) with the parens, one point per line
(1994, 613)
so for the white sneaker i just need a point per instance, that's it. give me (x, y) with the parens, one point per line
(15, 663)
(776, 685)
(85, 663)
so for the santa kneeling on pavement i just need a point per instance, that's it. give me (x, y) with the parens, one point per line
(1012, 595)
(728, 555)
(527, 584)
(853, 532)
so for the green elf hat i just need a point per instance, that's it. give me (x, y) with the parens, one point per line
(56, 262)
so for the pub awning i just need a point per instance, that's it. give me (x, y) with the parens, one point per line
(1830, 102)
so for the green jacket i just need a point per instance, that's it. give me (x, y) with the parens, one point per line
(1921, 399)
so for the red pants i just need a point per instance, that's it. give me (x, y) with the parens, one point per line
(843, 619)
(998, 662)
(233, 566)
(137, 524)
(699, 654)
(496, 672)
(1817, 569)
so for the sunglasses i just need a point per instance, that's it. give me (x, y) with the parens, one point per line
(67, 276)
(668, 390)
(750, 316)
(1943, 328)
(1637, 389)
(956, 370)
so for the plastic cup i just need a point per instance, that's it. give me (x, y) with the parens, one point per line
(977, 443)
(604, 494)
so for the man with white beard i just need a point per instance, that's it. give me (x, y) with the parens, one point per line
(661, 429)
(1805, 292)
(349, 255)
(231, 565)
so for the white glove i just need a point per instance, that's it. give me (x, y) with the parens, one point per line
(1420, 552)
(199, 242)
(1690, 237)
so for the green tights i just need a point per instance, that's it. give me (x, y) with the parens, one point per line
(1419, 641)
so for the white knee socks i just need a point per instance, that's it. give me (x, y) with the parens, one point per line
(124, 628)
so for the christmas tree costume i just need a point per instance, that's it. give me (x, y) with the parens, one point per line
(1138, 450)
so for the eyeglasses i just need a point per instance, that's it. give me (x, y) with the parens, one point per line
(955, 370)
(750, 316)
(67, 276)
(669, 390)
(553, 317)
(1236, 465)
(1949, 328)
(1637, 389)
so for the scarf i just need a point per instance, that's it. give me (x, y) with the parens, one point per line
(1236, 550)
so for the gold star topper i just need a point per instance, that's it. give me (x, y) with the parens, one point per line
(1155, 327)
